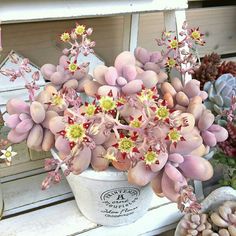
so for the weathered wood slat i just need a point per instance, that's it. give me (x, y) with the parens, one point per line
(218, 23)
(162, 231)
(25, 194)
(22, 167)
(24, 11)
(41, 45)
(153, 219)
(65, 219)
(230, 59)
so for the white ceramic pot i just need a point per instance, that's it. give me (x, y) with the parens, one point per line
(214, 200)
(107, 198)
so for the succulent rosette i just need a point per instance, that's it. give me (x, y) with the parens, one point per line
(30, 122)
(218, 222)
(142, 134)
(69, 73)
(132, 119)
(220, 93)
(123, 77)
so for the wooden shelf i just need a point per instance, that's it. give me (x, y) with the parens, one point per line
(14, 11)
(59, 214)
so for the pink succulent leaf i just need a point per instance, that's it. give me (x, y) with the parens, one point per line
(57, 177)
(25, 65)
(35, 76)
(185, 25)
(50, 164)
(66, 172)
(187, 201)
(46, 182)
(89, 31)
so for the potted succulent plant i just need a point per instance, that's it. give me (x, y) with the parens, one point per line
(122, 130)
(217, 217)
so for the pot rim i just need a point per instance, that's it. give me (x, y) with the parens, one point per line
(110, 174)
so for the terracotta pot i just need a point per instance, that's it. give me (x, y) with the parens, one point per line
(107, 198)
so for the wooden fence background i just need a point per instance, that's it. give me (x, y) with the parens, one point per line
(39, 41)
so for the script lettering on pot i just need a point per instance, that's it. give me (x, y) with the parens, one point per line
(120, 202)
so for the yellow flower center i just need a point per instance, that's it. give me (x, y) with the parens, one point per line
(121, 101)
(87, 41)
(167, 33)
(65, 37)
(7, 154)
(75, 132)
(126, 144)
(135, 123)
(146, 95)
(171, 62)
(195, 34)
(174, 135)
(162, 112)
(110, 155)
(90, 110)
(72, 67)
(150, 157)
(80, 29)
(57, 100)
(174, 43)
(107, 103)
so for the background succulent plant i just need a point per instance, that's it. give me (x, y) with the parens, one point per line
(220, 222)
(220, 93)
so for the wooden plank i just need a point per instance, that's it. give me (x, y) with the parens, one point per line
(22, 175)
(20, 168)
(21, 162)
(163, 231)
(24, 194)
(52, 220)
(41, 40)
(134, 32)
(229, 59)
(35, 155)
(150, 221)
(218, 23)
(13, 11)
(219, 27)
(63, 219)
(126, 32)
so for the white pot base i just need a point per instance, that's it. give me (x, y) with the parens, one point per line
(110, 202)
(107, 198)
